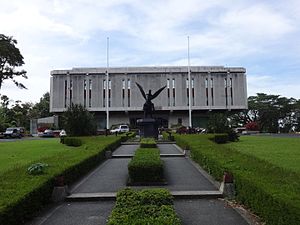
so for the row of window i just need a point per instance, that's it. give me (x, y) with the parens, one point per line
(87, 92)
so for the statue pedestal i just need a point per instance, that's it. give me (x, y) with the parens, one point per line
(148, 127)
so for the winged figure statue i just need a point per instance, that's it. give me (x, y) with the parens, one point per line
(148, 105)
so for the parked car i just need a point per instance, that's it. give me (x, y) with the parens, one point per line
(48, 133)
(120, 129)
(14, 132)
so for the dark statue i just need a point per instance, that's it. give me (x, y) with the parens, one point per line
(148, 105)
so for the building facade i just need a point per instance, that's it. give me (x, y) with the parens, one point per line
(212, 89)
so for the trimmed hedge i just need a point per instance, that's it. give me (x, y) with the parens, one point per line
(146, 166)
(148, 143)
(25, 196)
(220, 138)
(72, 141)
(149, 206)
(271, 192)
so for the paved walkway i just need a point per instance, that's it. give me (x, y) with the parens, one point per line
(183, 180)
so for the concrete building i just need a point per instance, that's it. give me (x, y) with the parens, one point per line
(214, 88)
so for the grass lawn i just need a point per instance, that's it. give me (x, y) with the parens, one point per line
(282, 152)
(20, 153)
(265, 169)
(22, 194)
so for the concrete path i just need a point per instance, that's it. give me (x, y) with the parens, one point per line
(185, 181)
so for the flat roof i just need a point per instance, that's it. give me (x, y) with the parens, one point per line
(150, 69)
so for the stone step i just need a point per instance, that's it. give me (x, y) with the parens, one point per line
(80, 197)
(161, 155)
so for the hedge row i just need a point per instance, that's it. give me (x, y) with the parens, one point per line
(148, 143)
(146, 166)
(72, 141)
(25, 194)
(149, 206)
(271, 192)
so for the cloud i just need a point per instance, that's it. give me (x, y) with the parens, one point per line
(59, 34)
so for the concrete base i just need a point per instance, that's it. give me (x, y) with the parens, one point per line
(228, 190)
(148, 127)
(59, 193)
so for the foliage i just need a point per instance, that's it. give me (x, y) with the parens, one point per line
(72, 141)
(146, 166)
(78, 121)
(270, 191)
(22, 195)
(218, 123)
(147, 143)
(10, 58)
(220, 138)
(37, 168)
(252, 126)
(18, 114)
(149, 206)
(272, 113)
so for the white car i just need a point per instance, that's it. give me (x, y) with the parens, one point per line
(120, 129)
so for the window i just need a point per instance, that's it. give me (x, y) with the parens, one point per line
(187, 91)
(168, 91)
(104, 92)
(212, 90)
(225, 86)
(193, 92)
(206, 90)
(128, 91)
(66, 89)
(173, 90)
(84, 93)
(123, 92)
(231, 91)
(109, 93)
(90, 93)
(71, 91)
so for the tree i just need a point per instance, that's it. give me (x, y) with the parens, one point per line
(10, 58)
(78, 121)
(42, 108)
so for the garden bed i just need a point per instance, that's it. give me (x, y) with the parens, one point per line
(146, 167)
(149, 206)
(271, 191)
(22, 195)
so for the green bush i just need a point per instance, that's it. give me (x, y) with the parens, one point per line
(21, 198)
(271, 192)
(72, 141)
(147, 143)
(220, 138)
(149, 206)
(146, 166)
(37, 168)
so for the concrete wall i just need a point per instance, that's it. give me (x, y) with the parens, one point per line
(149, 78)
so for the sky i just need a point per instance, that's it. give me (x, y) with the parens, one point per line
(259, 35)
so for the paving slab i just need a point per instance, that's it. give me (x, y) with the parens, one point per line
(182, 175)
(207, 212)
(77, 213)
(169, 149)
(125, 150)
(110, 176)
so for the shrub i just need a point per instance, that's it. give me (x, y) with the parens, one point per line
(19, 204)
(269, 191)
(71, 141)
(220, 138)
(37, 168)
(233, 135)
(148, 143)
(252, 126)
(149, 206)
(146, 166)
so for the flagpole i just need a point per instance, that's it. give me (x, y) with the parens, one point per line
(190, 86)
(107, 83)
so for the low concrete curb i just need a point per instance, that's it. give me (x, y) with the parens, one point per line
(161, 155)
(81, 197)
